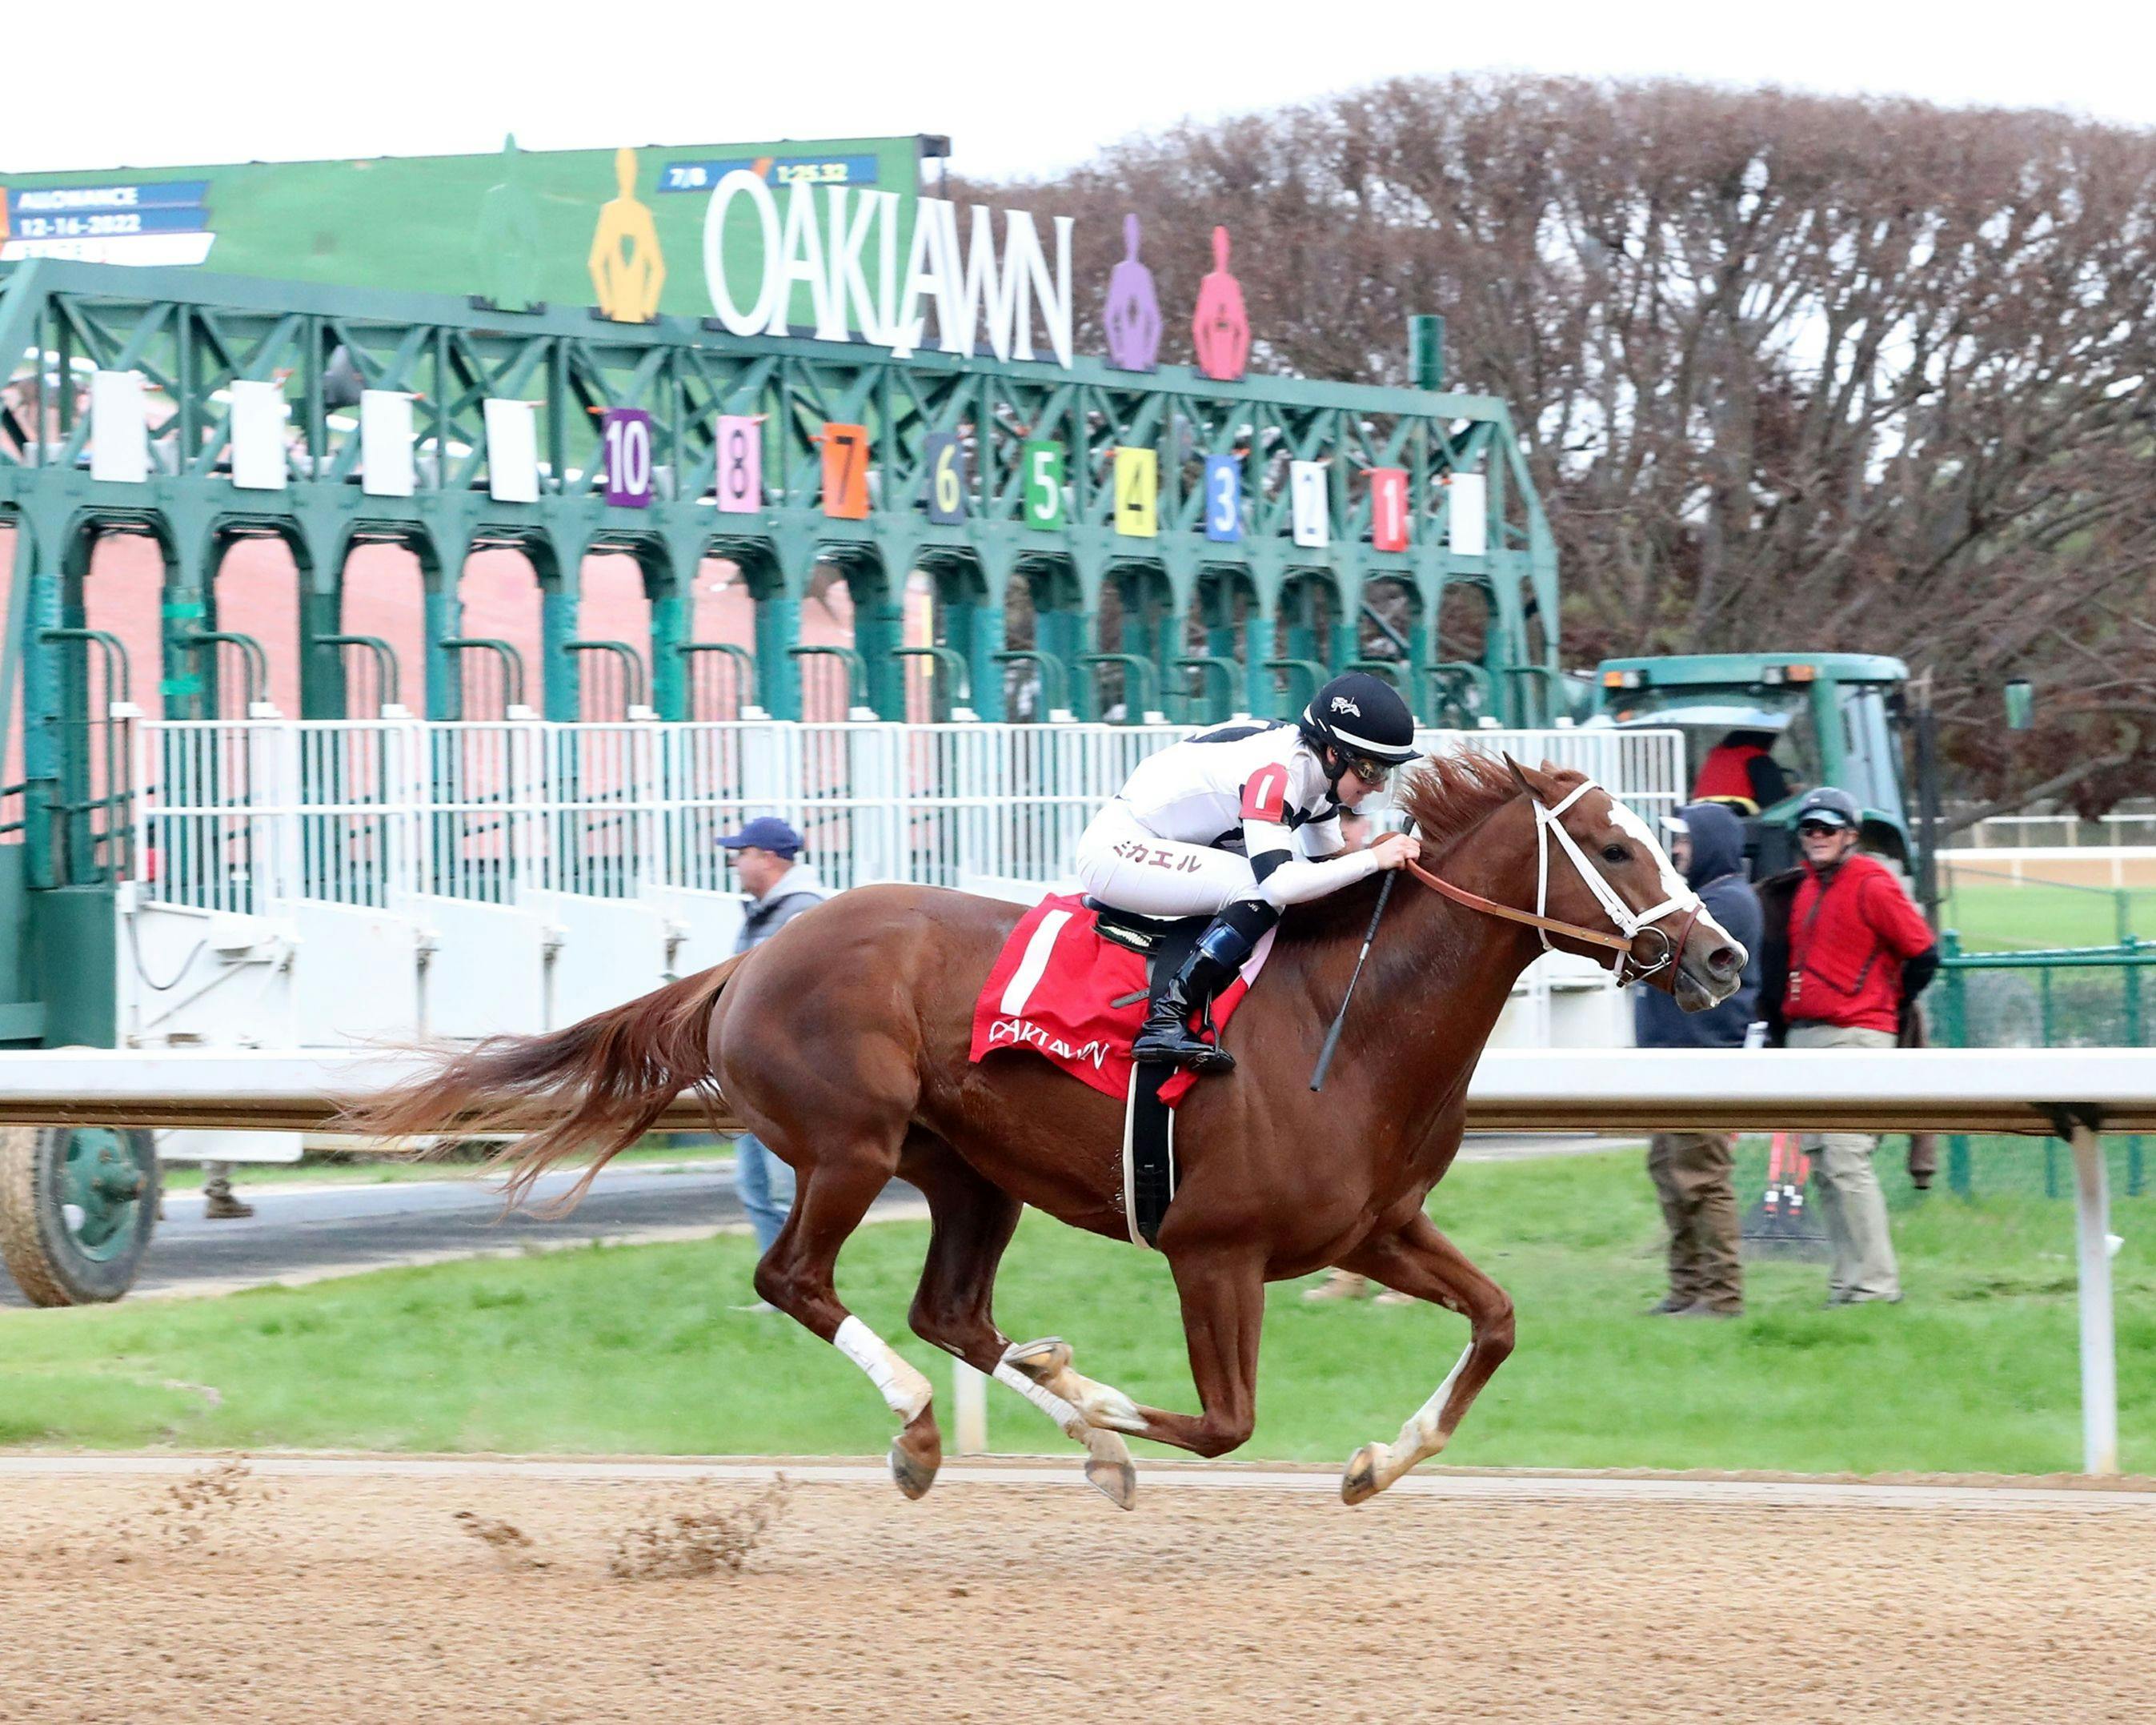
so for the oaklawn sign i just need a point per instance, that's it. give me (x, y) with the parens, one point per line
(870, 276)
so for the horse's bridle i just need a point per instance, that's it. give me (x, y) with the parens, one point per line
(1628, 921)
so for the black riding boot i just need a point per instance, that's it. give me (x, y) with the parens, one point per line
(1221, 951)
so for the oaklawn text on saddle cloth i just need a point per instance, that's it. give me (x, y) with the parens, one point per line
(1055, 989)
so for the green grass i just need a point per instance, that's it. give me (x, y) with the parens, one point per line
(340, 1170)
(2000, 916)
(637, 1349)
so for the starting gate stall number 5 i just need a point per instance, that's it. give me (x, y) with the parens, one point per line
(946, 462)
(625, 439)
(1041, 463)
(1224, 499)
(740, 464)
(1389, 508)
(1137, 493)
(846, 472)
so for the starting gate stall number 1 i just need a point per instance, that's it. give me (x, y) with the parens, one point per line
(740, 464)
(846, 472)
(1389, 508)
(625, 440)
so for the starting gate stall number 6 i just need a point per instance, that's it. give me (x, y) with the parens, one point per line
(845, 472)
(1041, 463)
(946, 462)
(625, 434)
(740, 464)
(1224, 499)
(1306, 495)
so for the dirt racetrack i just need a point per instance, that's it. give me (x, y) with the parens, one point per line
(271, 1591)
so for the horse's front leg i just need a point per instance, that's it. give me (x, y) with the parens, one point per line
(1224, 1307)
(1419, 1261)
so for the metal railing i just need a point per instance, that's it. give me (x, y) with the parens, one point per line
(233, 814)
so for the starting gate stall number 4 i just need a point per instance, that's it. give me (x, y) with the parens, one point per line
(846, 472)
(1137, 493)
(1307, 495)
(1224, 499)
(946, 487)
(1043, 467)
(740, 464)
(625, 436)
(1389, 508)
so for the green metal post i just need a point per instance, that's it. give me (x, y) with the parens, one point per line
(322, 691)
(984, 641)
(45, 717)
(560, 680)
(445, 621)
(1260, 695)
(778, 673)
(1957, 1030)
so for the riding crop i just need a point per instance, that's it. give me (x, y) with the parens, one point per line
(1340, 1018)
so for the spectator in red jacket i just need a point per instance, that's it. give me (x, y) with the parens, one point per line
(1851, 950)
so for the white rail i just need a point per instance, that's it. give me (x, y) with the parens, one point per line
(2075, 1093)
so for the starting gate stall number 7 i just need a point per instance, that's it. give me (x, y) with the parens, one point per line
(740, 464)
(846, 472)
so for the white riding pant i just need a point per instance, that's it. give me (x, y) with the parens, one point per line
(1122, 863)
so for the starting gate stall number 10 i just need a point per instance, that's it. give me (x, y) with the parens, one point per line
(740, 464)
(625, 435)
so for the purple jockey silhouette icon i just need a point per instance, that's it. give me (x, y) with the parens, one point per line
(1220, 326)
(1132, 316)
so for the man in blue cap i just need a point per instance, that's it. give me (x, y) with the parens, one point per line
(766, 860)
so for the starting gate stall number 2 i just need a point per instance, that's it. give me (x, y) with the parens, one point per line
(625, 439)
(1308, 504)
(846, 472)
(740, 464)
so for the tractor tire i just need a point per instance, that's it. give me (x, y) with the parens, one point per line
(78, 1205)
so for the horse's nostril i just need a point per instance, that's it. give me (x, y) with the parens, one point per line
(1723, 961)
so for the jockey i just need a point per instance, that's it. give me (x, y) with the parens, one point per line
(1238, 823)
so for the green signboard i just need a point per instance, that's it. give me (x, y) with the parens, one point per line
(622, 229)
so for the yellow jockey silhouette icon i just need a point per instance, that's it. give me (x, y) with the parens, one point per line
(627, 270)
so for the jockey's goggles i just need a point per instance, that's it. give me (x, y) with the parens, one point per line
(1373, 773)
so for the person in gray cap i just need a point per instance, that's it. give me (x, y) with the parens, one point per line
(766, 861)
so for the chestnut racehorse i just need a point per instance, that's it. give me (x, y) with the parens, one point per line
(843, 1041)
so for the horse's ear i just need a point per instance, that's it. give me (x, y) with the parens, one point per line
(1520, 777)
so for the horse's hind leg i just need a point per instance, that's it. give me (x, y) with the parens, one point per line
(796, 1276)
(1421, 1261)
(970, 1223)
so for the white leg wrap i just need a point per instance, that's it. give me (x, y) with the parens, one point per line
(905, 1390)
(1068, 1418)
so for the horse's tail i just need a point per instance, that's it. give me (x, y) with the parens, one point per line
(599, 1086)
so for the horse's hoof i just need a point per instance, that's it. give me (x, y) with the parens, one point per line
(1115, 1481)
(1038, 1360)
(1359, 1484)
(916, 1454)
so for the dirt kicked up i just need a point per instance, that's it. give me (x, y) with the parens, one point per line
(222, 1590)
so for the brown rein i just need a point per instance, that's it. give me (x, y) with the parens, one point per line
(1491, 907)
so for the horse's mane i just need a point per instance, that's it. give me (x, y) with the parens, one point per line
(1448, 795)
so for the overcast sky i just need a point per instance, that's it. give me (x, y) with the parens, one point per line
(1021, 86)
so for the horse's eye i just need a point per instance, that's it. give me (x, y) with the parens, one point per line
(1614, 854)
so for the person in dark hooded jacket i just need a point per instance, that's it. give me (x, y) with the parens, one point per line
(1694, 1172)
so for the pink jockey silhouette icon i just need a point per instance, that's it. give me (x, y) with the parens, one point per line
(1220, 326)
(1132, 316)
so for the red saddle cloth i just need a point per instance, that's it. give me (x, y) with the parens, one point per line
(1055, 989)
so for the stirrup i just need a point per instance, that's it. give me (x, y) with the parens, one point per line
(1193, 1052)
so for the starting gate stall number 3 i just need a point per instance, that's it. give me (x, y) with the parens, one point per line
(1307, 503)
(1389, 508)
(944, 490)
(846, 472)
(1224, 499)
(1041, 462)
(1137, 493)
(740, 464)
(626, 441)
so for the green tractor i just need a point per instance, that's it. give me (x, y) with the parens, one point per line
(1761, 729)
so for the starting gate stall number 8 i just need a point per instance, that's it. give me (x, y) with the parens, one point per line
(740, 464)
(1306, 495)
(1137, 493)
(625, 440)
(846, 472)
(1389, 508)
(1041, 461)
(946, 486)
